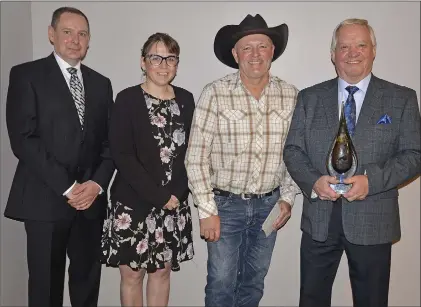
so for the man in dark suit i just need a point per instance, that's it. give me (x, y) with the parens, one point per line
(57, 117)
(384, 122)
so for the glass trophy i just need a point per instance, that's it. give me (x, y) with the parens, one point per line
(342, 159)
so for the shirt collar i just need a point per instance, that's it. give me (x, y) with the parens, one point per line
(362, 85)
(236, 81)
(63, 64)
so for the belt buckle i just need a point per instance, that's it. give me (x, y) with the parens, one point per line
(243, 197)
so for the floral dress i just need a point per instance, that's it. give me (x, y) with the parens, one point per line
(165, 235)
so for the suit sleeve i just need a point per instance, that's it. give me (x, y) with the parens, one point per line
(295, 153)
(123, 152)
(25, 140)
(104, 172)
(405, 164)
(179, 187)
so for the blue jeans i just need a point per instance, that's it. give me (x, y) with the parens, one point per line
(239, 261)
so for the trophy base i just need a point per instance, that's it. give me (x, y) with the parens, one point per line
(341, 188)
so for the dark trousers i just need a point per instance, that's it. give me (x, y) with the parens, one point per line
(47, 245)
(369, 267)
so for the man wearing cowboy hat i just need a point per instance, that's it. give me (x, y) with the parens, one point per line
(234, 161)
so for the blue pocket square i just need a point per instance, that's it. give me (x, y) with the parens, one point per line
(385, 119)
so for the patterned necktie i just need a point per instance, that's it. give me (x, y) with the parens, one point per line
(77, 93)
(350, 109)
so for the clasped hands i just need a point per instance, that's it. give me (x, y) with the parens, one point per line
(82, 195)
(358, 191)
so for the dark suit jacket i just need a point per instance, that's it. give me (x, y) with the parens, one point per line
(46, 137)
(389, 153)
(136, 154)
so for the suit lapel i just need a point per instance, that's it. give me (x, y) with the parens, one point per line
(89, 98)
(330, 105)
(60, 89)
(371, 103)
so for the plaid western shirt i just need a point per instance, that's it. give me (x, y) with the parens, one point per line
(236, 142)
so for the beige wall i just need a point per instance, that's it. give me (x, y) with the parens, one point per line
(119, 30)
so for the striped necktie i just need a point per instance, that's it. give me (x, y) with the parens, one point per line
(77, 93)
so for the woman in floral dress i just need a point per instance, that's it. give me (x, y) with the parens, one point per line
(148, 226)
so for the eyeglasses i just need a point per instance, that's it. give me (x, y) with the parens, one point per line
(156, 60)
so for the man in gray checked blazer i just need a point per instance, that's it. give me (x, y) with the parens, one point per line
(365, 221)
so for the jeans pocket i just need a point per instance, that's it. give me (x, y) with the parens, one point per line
(221, 201)
(271, 200)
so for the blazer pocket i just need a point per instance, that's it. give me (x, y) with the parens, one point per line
(384, 133)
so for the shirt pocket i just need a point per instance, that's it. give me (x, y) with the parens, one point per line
(279, 121)
(234, 130)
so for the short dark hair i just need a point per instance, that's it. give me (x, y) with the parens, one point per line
(66, 9)
(164, 38)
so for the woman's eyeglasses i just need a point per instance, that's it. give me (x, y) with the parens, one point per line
(156, 59)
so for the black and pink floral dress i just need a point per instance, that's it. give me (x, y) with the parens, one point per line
(165, 235)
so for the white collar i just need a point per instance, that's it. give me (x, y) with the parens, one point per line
(64, 65)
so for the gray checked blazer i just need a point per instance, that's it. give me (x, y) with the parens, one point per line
(389, 153)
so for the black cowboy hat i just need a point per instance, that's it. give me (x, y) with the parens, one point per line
(228, 35)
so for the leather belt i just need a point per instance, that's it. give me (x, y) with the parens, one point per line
(243, 195)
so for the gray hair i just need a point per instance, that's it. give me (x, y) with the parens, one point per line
(352, 21)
